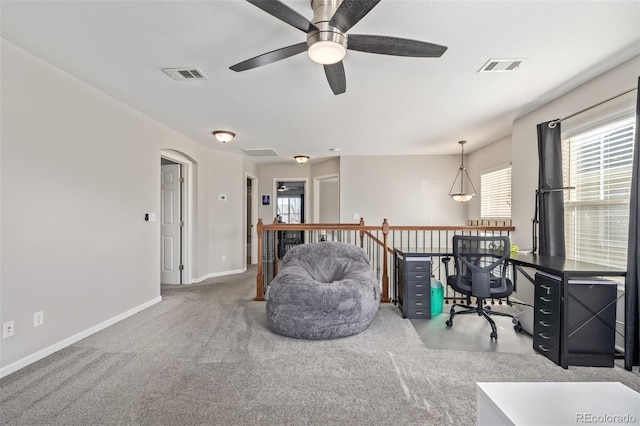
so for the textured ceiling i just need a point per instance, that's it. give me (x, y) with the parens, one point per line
(393, 105)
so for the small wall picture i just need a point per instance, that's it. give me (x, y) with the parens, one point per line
(266, 200)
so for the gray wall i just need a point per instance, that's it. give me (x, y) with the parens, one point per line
(79, 171)
(407, 190)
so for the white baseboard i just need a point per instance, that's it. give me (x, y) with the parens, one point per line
(30, 359)
(217, 274)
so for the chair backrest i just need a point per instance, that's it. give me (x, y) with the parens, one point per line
(481, 263)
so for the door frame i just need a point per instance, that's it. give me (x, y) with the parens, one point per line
(316, 195)
(274, 197)
(187, 210)
(253, 218)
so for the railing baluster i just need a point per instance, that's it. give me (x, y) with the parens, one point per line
(377, 241)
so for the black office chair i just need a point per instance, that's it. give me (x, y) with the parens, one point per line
(481, 269)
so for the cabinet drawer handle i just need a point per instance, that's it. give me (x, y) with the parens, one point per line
(542, 348)
(544, 324)
(418, 312)
(419, 267)
(418, 294)
(545, 299)
(418, 303)
(545, 311)
(544, 336)
(418, 277)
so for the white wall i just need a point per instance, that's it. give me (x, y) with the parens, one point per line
(406, 190)
(481, 161)
(79, 171)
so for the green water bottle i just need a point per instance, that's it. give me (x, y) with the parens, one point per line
(437, 297)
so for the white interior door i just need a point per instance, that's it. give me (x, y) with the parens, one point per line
(170, 224)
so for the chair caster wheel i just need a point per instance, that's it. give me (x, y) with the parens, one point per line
(449, 323)
(494, 336)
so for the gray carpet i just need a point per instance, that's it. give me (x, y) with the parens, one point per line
(205, 357)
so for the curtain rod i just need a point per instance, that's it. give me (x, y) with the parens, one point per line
(554, 123)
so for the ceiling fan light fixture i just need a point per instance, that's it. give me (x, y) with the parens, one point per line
(326, 52)
(223, 136)
(301, 159)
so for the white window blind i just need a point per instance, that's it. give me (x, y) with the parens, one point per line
(598, 163)
(495, 194)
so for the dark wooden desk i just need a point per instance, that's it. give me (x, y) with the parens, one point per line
(565, 270)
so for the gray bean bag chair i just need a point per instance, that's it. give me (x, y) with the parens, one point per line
(323, 290)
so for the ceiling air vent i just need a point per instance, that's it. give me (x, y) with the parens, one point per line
(260, 152)
(501, 65)
(185, 73)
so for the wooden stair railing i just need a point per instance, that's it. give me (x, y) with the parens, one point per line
(371, 233)
(360, 227)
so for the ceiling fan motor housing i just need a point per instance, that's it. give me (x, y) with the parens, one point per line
(327, 37)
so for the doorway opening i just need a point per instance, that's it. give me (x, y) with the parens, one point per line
(251, 210)
(326, 199)
(290, 207)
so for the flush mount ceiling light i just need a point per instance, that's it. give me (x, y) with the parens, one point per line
(301, 158)
(223, 136)
(462, 195)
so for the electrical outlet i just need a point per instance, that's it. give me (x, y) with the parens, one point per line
(7, 329)
(38, 319)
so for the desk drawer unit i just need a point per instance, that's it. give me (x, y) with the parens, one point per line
(546, 317)
(591, 316)
(413, 276)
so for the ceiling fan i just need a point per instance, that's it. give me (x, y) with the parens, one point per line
(328, 41)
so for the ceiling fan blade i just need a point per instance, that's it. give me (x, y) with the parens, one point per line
(267, 58)
(396, 46)
(336, 77)
(284, 13)
(350, 12)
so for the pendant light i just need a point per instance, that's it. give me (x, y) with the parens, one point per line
(460, 193)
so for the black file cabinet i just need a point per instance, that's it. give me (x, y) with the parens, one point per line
(413, 284)
(591, 314)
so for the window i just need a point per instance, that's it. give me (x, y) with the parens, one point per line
(495, 194)
(290, 209)
(598, 163)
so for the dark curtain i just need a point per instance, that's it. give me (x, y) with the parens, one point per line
(632, 295)
(550, 198)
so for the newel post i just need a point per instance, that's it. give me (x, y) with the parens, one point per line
(260, 277)
(385, 263)
(362, 233)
